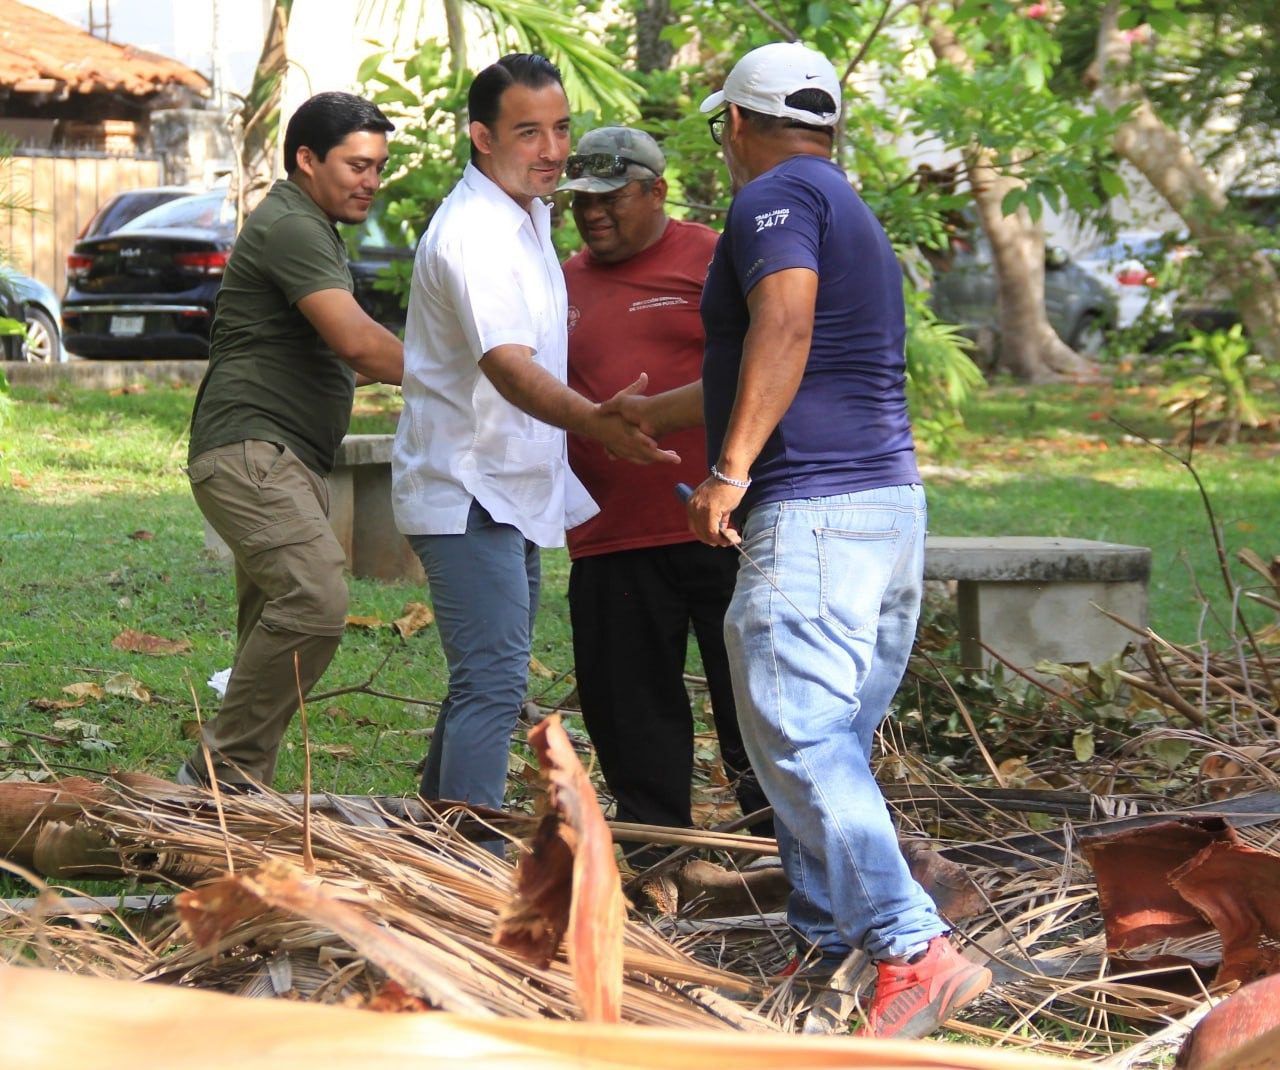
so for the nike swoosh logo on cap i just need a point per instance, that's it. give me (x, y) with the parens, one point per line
(810, 77)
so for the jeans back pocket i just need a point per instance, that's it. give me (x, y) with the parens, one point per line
(854, 571)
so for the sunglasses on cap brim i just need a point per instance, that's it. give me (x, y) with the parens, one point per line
(601, 165)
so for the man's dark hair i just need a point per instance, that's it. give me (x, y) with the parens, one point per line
(484, 98)
(324, 120)
(817, 101)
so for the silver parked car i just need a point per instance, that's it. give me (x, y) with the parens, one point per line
(37, 308)
(1161, 281)
(1128, 265)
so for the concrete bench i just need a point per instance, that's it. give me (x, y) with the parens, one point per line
(360, 513)
(1024, 596)
(1029, 597)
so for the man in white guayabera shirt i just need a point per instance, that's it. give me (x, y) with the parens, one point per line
(479, 476)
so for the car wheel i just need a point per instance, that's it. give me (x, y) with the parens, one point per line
(43, 344)
(1090, 337)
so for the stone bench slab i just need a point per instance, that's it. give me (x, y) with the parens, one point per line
(360, 513)
(1029, 598)
(1028, 558)
(1037, 598)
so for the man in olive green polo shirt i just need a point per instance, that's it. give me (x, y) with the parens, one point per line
(289, 344)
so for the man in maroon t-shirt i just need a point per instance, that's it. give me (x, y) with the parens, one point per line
(639, 578)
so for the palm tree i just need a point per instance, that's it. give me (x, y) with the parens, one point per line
(592, 79)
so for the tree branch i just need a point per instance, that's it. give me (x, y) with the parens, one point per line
(773, 23)
(886, 16)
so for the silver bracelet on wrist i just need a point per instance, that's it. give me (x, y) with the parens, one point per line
(720, 477)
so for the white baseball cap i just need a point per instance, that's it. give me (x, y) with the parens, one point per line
(763, 79)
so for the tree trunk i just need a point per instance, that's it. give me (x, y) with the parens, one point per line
(26, 808)
(1160, 153)
(457, 36)
(256, 130)
(1029, 348)
(653, 53)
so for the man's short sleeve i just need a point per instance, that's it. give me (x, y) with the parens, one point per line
(776, 224)
(483, 288)
(305, 256)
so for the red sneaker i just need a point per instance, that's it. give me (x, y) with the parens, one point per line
(913, 999)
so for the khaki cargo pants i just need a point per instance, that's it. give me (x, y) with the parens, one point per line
(272, 511)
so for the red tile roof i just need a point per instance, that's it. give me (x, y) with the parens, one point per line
(42, 53)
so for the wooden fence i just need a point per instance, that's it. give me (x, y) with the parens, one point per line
(57, 195)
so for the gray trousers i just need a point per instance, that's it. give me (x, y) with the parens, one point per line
(484, 590)
(272, 511)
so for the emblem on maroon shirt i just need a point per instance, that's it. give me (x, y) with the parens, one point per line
(656, 302)
(575, 314)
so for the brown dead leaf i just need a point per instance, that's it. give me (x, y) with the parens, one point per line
(337, 750)
(1227, 774)
(123, 684)
(568, 885)
(1017, 773)
(56, 704)
(213, 909)
(189, 728)
(141, 535)
(392, 998)
(84, 690)
(713, 812)
(538, 669)
(136, 642)
(130, 388)
(416, 617)
(365, 622)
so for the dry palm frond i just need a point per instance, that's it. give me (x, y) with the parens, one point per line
(411, 872)
(210, 1031)
(426, 888)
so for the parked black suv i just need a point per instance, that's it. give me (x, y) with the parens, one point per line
(147, 290)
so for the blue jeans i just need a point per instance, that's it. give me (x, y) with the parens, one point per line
(484, 590)
(813, 685)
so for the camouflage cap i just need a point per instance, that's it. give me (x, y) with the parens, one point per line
(609, 157)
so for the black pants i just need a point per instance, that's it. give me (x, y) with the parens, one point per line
(631, 613)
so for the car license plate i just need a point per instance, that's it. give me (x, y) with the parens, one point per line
(127, 325)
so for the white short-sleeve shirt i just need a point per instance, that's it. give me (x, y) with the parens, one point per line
(485, 275)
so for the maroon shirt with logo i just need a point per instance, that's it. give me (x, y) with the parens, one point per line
(637, 316)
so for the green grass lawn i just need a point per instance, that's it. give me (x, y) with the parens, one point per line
(98, 534)
(1070, 461)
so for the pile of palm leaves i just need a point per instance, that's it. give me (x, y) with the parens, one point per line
(366, 900)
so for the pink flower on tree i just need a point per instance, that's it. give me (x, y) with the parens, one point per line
(1037, 11)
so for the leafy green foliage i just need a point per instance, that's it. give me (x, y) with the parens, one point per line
(1213, 382)
(430, 146)
(941, 378)
(1005, 98)
(1005, 103)
(1212, 66)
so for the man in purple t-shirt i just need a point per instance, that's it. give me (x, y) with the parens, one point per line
(803, 394)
